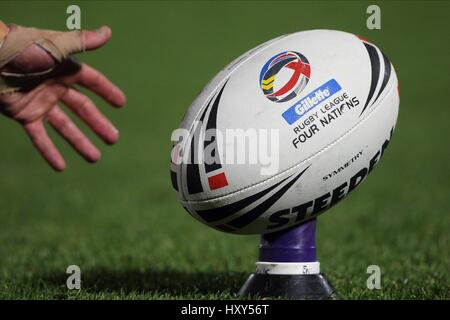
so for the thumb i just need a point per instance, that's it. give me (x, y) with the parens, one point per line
(97, 38)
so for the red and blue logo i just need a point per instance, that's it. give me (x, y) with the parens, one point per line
(284, 76)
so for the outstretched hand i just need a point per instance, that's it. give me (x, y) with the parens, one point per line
(31, 108)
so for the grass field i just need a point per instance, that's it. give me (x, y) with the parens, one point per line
(120, 221)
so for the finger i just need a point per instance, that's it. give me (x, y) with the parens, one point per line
(35, 58)
(39, 138)
(69, 131)
(95, 81)
(97, 38)
(84, 108)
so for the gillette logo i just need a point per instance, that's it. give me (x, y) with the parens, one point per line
(309, 103)
(312, 100)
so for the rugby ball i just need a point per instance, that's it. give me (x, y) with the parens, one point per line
(285, 131)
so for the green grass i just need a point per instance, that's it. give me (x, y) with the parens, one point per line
(120, 221)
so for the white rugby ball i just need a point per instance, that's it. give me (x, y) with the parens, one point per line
(292, 126)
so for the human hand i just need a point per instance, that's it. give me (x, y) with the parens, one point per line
(40, 103)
